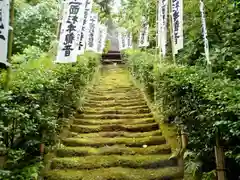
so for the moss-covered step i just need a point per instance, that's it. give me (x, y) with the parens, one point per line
(117, 108)
(115, 111)
(113, 116)
(111, 88)
(132, 94)
(115, 91)
(113, 97)
(117, 134)
(114, 127)
(117, 173)
(128, 142)
(127, 161)
(112, 150)
(113, 104)
(112, 101)
(113, 121)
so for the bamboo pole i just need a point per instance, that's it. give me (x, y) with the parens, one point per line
(8, 74)
(171, 30)
(10, 43)
(219, 156)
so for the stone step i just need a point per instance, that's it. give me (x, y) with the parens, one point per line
(112, 150)
(115, 111)
(117, 134)
(115, 94)
(114, 127)
(114, 91)
(113, 121)
(126, 161)
(113, 116)
(119, 101)
(114, 104)
(128, 142)
(116, 173)
(113, 97)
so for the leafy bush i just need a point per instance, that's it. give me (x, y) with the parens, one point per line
(35, 25)
(187, 96)
(40, 94)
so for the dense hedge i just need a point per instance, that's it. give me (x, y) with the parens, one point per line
(40, 94)
(188, 96)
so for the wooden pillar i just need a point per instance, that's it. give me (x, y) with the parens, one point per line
(220, 162)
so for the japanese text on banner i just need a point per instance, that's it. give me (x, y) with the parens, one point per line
(71, 27)
(87, 12)
(143, 36)
(101, 38)
(129, 40)
(177, 19)
(4, 27)
(92, 36)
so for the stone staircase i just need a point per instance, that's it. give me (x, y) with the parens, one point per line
(115, 138)
(112, 57)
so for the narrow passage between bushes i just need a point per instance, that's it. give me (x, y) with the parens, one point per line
(115, 138)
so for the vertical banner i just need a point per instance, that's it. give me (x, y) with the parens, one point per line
(92, 35)
(70, 31)
(204, 32)
(162, 25)
(87, 12)
(122, 39)
(177, 19)
(129, 40)
(143, 36)
(102, 34)
(4, 27)
(104, 37)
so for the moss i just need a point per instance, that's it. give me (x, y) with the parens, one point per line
(131, 161)
(120, 101)
(113, 121)
(116, 173)
(114, 127)
(112, 116)
(116, 110)
(119, 96)
(169, 130)
(117, 134)
(108, 141)
(100, 142)
(112, 150)
(112, 104)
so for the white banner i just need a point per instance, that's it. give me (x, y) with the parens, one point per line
(129, 40)
(87, 12)
(122, 39)
(70, 31)
(177, 19)
(204, 32)
(92, 35)
(143, 36)
(102, 34)
(162, 25)
(4, 27)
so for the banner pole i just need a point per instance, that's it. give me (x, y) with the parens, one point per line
(171, 31)
(8, 74)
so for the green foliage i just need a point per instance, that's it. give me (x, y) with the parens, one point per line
(40, 94)
(107, 46)
(35, 25)
(188, 97)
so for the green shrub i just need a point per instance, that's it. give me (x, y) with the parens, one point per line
(35, 25)
(187, 96)
(40, 94)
